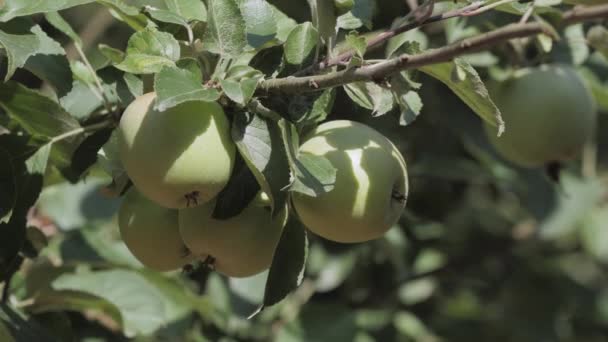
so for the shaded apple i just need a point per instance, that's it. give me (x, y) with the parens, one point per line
(371, 185)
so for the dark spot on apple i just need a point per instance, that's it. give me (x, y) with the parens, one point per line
(192, 198)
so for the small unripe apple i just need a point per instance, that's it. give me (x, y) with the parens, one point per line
(180, 157)
(549, 115)
(344, 6)
(240, 246)
(371, 185)
(151, 233)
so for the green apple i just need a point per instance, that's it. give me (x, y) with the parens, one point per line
(240, 246)
(344, 6)
(151, 233)
(371, 185)
(180, 157)
(549, 115)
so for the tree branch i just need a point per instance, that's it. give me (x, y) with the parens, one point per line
(379, 71)
(383, 37)
(580, 13)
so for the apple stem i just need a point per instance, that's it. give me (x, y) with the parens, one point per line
(186, 251)
(209, 262)
(553, 170)
(192, 197)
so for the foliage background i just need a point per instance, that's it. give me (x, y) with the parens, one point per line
(485, 251)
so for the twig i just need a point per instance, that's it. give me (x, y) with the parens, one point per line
(381, 70)
(257, 107)
(106, 102)
(421, 13)
(69, 134)
(527, 14)
(579, 14)
(92, 31)
(383, 37)
(81, 130)
(487, 8)
(97, 26)
(412, 4)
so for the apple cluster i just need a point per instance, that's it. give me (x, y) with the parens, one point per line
(181, 158)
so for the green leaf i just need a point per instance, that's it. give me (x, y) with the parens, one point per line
(85, 154)
(114, 55)
(310, 175)
(167, 16)
(284, 24)
(176, 297)
(288, 263)
(321, 322)
(20, 47)
(48, 300)
(129, 13)
(329, 270)
(225, 34)
(598, 89)
(192, 65)
(40, 116)
(575, 38)
(59, 23)
(37, 163)
(371, 96)
(149, 51)
(260, 22)
(594, 235)
(53, 69)
(310, 109)
(114, 85)
(357, 43)
(20, 8)
(471, 91)
(240, 83)
(412, 327)
(242, 187)
(81, 101)
(547, 2)
(249, 289)
(314, 175)
(73, 206)
(577, 200)
(410, 104)
(408, 100)
(82, 73)
(134, 84)
(259, 141)
(300, 43)
(174, 86)
(324, 19)
(138, 302)
(188, 9)
(28, 169)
